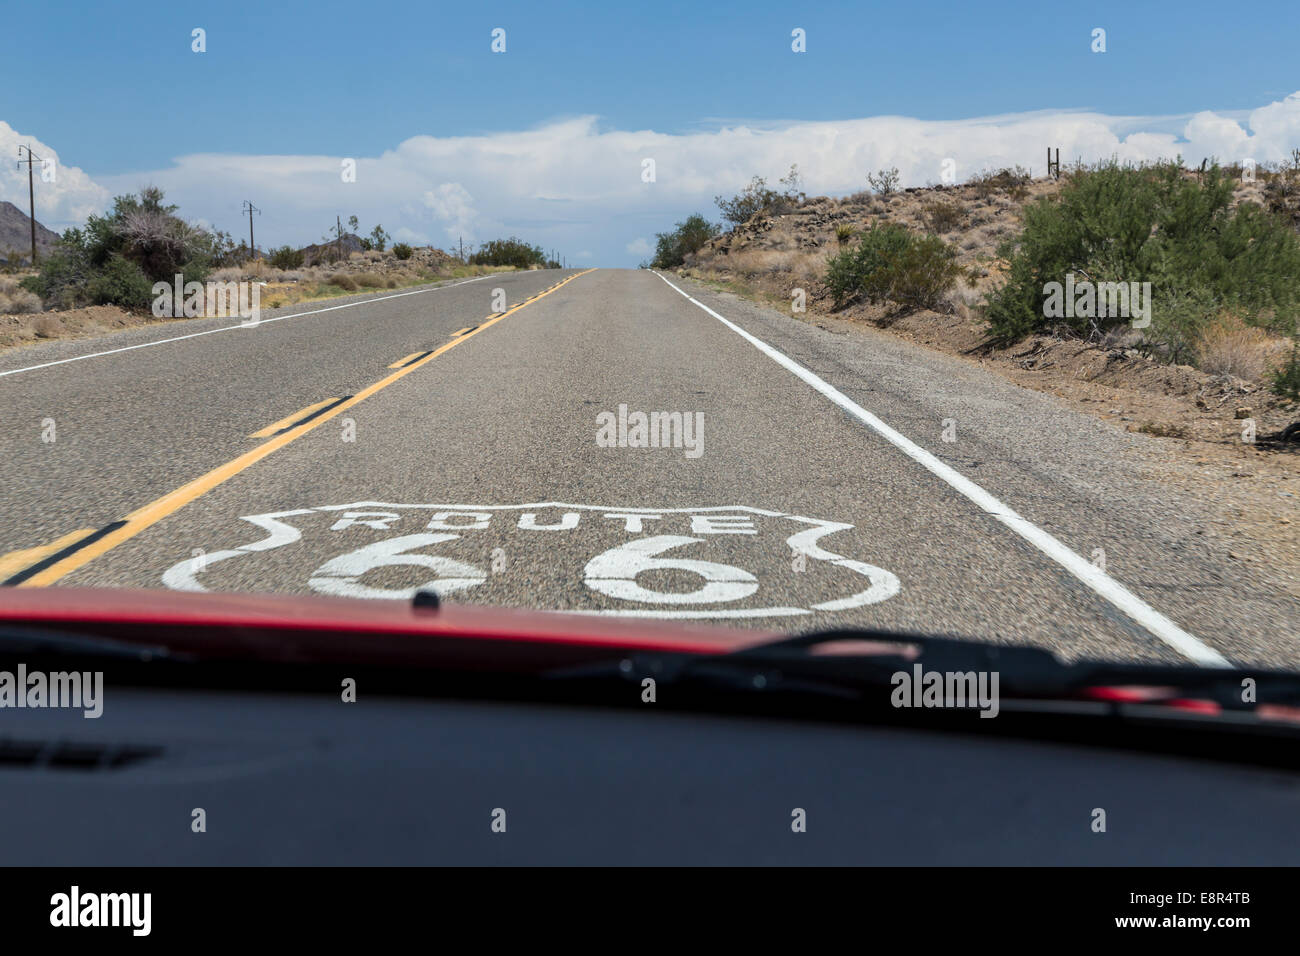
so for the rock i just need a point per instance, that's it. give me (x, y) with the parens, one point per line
(1244, 411)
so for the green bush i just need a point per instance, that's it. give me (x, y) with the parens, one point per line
(120, 282)
(509, 252)
(286, 257)
(402, 250)
(1286, 380)
(686, 238)
(61, 283)
(891, 264)
(89, 265)
(1115, 223)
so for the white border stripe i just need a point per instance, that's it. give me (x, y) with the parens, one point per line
(233, 328)
(1107, 587)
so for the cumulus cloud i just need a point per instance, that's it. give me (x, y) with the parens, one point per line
(452, 205)
(65, 195)
(573, 184)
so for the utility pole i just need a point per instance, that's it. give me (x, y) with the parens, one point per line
(460, 240)
(31, 194)
(250, 209)
(338, 237)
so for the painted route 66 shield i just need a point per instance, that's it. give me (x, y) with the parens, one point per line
(706, 562)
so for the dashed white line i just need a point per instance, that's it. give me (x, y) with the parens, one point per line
(1104, 585)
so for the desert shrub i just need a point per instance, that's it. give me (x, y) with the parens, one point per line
(90, 263)
(369, 280)
(15, 300)
(1286, 380)
(344, 281)
(884, 182)
(1013, 181)
(1114, 223)
(758, 198)
(686, 238)
(1228, 346)
(286, 257)
(402, 250)
(844, 232)
(941, 217)
(120, 282)
(508, 252)
(891, 264)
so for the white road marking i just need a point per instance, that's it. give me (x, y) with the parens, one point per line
(235, 328)
(1105, 586)
(612, 573)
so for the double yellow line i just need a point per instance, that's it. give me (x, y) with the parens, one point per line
(63, 556)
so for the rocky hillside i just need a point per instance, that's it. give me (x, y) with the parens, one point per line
(16, 235)
(768, 258)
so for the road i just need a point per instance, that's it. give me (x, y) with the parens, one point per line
(831, 479)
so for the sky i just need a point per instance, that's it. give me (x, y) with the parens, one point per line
(549, 140)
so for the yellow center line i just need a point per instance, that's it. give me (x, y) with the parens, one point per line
(288, 420)
(173, 501)
(15, 561)
(404, 359)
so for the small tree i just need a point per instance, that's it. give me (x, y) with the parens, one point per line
(379, 238)
(884, 182)
(672, 248)
(758, 197)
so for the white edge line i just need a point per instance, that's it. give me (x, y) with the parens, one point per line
(233, 328)
(1104, 585)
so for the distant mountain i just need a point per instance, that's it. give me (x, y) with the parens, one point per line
(16, 233)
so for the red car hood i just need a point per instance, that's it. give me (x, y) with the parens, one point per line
(342, 630)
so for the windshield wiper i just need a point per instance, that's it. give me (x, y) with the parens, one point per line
(1026, 677)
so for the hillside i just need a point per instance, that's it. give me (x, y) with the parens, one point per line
(769, 257)
(16, 235)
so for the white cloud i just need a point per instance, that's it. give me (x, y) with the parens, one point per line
(451, 204)
(66, 201)
(571, 184)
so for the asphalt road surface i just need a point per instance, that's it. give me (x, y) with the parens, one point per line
(804, 478)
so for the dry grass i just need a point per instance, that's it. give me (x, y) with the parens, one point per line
(15, 300)
(1228, 346)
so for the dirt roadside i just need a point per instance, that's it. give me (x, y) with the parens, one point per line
(1198, 422)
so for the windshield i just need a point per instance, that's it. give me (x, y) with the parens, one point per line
(724, 323)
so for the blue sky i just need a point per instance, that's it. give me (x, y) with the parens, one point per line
(116, 90)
